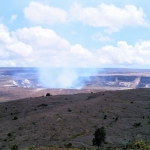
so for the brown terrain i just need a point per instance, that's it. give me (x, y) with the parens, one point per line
(72, 118)
(14, 93)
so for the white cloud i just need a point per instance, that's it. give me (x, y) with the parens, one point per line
(124, 54)
(39, 13)
(13, 18)
(80, 56)
(4, 35)
(50, 49)
(110, 16)
(7, 63)
(11, 49)
(100, 37)
(41, 47)
(40, 38)
(20, 48)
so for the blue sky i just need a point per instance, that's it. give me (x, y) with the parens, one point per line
(81, 33)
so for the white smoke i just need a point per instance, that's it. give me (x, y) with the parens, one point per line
(64, 77)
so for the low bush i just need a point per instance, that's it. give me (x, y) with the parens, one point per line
(137, 124)
(105, 117)
(43, 105)
(14, 147)
(48, 94)
(15, 118)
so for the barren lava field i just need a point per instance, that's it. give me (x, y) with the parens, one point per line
(62, 119)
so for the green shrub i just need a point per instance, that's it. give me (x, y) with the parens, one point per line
(43, 105)
(137, 145)
(69, 110)
(105, 117)
(69, 145)
(15, 118)
(116, 119)
(9, 134)
(14, 147)
(141, 145)
(137, 124)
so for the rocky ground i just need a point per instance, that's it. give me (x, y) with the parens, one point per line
(62, 119)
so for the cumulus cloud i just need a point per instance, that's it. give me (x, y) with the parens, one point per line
(40, 38)
(39, 13)
(11, 49)
(49, 48)
(110, 16)
(42, 47)
(52, 50)
(4, 35)
(124, 54)
(20, 48)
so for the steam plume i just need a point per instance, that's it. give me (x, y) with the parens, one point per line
(64, 77)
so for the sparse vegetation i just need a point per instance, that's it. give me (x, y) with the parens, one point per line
(10, 137)
(9, 134)
(15, 118)
(63, 120)
(137, 145)
(14, 147)
(141, 145)
(116, 119)
(69, 145)
(59, 148)
(144, 117)
(42, 105)
(137, 124)
(69, 110)
(105, 117)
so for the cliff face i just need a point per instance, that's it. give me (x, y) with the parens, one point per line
(132, 82)
(29, 78)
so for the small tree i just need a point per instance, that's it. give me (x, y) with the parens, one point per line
(99, 137)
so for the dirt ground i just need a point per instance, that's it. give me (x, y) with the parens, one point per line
(60, 119)
(15, 93)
